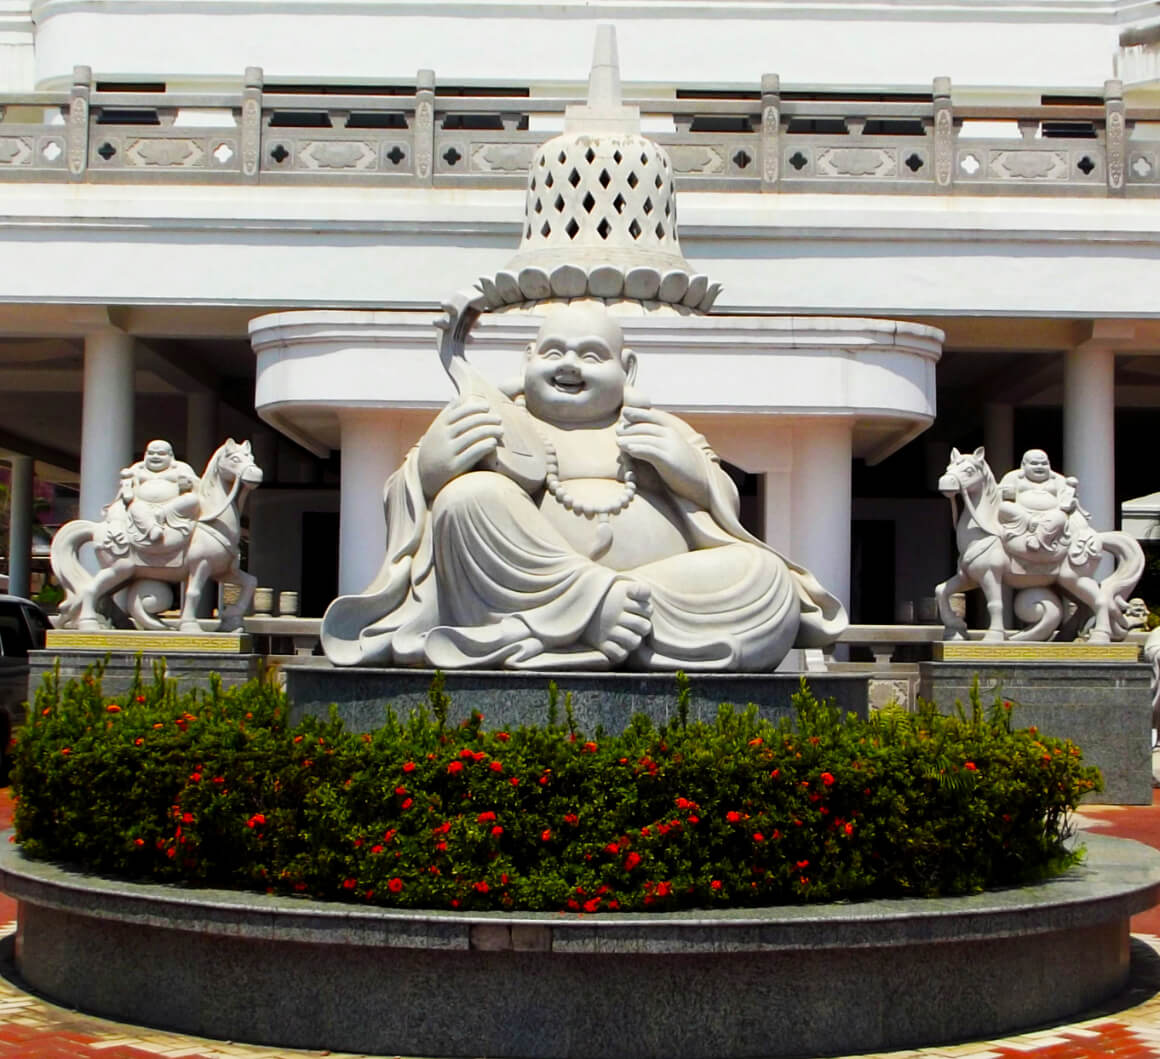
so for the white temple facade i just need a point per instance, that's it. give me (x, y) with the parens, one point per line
(942, 213)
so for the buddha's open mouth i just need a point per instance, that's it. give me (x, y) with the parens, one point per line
(568, 385)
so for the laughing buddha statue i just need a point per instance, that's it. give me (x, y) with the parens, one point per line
(572, 526)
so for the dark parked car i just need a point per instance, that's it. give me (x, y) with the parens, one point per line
(22, 628)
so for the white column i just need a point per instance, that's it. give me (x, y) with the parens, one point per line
(20, 525)
(200, 429)
(820, 491)
(1089, 438)
(999, 436)
(106, 419)
(370, 452)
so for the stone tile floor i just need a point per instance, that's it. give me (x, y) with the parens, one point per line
(1126, 1028)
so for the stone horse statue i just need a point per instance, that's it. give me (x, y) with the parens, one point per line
(144, 571)
(987, 561)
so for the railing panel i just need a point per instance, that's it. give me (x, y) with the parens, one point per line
(769, 140)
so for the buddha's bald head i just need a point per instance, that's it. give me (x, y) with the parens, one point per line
(577, 319)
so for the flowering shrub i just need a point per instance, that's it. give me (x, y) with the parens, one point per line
(216, 789)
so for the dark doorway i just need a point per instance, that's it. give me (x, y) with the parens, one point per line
(319, 562)
(872, 572)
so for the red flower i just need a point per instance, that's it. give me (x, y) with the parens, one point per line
(715, 884)
(849, 829)
(187, 818)
(664, 889)
(733, 816)
(756, 742)
(408, 766)
(481, 886)
(571, 818)
(970, 766)
(112, 708)
(497, 831)
(514, 781)
(138, 842)
(684, 803)
(395, 885)
(65, 751)
(376, 849)
(484, 818)
(496, 766)
(401, 791)
(388, 834)
(802, 864)
(455, 766)
(442, 829)
(546, 835)
(503, 737)
(407, 803)
(465, 753)
(588, 748)
(828, 779)
(349, 884)
(171, 853)
(297, 738)
(694, 819)
(758, 836)
(256, 820)
(631, 861)
(592, 905)
(544, 780)
(140, 698)
(612, 848)
(138, 741)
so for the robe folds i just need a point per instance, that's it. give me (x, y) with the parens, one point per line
(479, 578)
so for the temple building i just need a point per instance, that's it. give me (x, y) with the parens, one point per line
(933, 223)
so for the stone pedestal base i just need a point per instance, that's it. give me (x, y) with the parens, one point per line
(1104, 707)
(509, 699)
(188, 668)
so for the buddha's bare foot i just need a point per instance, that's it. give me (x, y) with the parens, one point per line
(622, 621)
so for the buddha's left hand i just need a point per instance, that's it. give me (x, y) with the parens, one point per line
(647, 435)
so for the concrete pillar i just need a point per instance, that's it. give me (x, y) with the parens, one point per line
(999, 437)
(370, 452)
(201, 438)
(20, 525)
(821, 511)
(1089, 440)
(106, 419)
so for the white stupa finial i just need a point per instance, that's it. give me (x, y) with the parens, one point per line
(604, 77)
(604, 112)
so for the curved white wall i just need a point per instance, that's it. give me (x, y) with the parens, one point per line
(1036, 44)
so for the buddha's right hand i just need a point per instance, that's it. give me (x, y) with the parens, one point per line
(464, 433)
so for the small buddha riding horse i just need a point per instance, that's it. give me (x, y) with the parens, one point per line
(986, 562)
(210, 552)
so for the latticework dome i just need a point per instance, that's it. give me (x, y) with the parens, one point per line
(601, 213)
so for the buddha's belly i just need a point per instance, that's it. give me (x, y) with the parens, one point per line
(156, 490)
(645, 531)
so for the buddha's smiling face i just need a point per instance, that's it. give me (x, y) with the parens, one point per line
(575, 373)
(1036, 466)
(158, 456)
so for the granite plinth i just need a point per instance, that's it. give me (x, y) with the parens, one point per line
(812, 980)
(1103, 707)
(607, 700)
(188, 668)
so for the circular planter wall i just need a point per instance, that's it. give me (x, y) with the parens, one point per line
(833, 979)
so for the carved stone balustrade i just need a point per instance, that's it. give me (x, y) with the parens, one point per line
(769, 139)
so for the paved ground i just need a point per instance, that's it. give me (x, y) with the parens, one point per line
(1129, 1028)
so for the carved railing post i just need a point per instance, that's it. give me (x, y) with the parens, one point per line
(944, 135)
(1115, 136)
(423, 128)
(252, 125)
(770, 132)
(78, 122)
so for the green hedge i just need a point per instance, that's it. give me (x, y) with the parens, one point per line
(214, 788)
